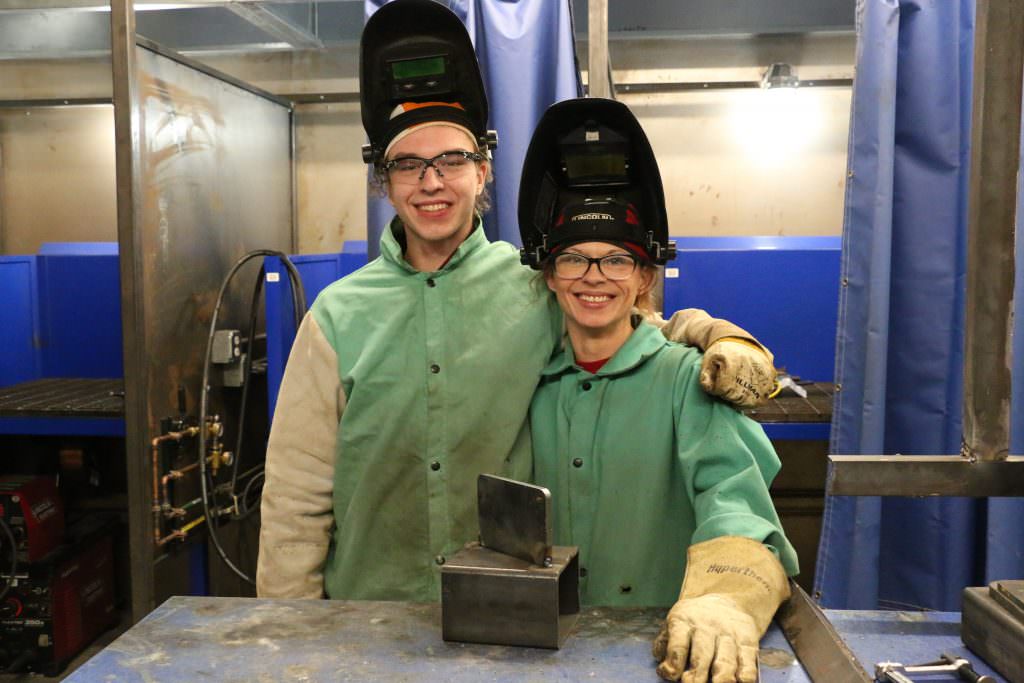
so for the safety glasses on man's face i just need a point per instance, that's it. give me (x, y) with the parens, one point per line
(449, 165)
(573, 266)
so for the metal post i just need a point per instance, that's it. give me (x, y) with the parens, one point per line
(984, 467)
(995, 145)
(127, 151)
(597, 49)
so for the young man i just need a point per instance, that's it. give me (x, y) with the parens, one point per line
(409, 378)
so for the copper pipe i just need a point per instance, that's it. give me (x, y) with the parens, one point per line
(170, 537)
(155, 456)
(165, 504)
(181, 533)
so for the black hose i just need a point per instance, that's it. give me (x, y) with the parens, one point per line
(14, 557)
(299, 308)
(254, 308)
(248, 510)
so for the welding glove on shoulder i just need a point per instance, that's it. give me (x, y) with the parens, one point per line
(731, 590)
(736, 367)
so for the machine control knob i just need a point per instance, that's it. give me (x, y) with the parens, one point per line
(11, 607)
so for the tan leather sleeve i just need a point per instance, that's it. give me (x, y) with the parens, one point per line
(296, 513)
(693, 326)
(740, 568)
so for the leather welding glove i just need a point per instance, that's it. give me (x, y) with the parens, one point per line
(732, 587)
(736, 367)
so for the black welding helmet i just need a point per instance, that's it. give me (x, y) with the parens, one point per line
(417, 65)
(590, 175)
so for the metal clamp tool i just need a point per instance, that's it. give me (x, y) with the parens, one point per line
(895, 672)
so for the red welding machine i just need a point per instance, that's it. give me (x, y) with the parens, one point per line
(32, 508)
(60, 604)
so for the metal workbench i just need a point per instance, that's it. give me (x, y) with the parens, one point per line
(242, 639)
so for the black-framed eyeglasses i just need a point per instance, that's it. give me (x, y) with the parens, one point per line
(573, 266)
(450, 165)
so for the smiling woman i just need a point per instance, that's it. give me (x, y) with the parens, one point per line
(659, 485)
(598, 283)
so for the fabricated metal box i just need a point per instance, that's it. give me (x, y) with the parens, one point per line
(490, 597)
(992, 625)
(513, 587)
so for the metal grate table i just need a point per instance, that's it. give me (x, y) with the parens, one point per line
(63, 406)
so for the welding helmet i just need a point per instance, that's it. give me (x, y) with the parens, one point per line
(590, 175)
(417, 66)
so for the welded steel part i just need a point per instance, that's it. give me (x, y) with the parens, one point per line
(515, 518)
(490, 597)
(924, 475)
(815, 642)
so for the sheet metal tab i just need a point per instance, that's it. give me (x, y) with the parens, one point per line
(515, 518)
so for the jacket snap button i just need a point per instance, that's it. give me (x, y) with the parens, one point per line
(577, 462)
(625, 588)
(586, 386)
(435, 368)
(439, 559)
(435, 466)
(430, 282)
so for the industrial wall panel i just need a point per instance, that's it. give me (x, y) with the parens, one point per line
(783, 290)
(80, 316)
(212, 181)
(316, 271)
(19, 361)
(216, 183)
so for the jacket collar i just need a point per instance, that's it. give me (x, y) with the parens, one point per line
(645, 341)
(392, 246)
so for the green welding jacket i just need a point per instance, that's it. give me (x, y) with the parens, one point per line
(401, 388)
(641, 463)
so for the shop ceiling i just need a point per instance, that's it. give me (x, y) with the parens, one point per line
(62, 28)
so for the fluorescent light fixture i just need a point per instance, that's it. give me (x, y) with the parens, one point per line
(780, 75)
(153, 7)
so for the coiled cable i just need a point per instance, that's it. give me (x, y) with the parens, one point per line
(299, 310)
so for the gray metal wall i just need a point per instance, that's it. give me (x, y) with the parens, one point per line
(212, 180)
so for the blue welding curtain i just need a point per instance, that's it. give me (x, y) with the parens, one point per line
(900, 339)
(528, 60)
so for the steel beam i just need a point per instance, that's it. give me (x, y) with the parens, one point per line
(688, 86)
(52, 102)
(136, 390)
(275, 25)
(995, 147)
(209, 71)
(815, 642)
(924, 475)
(139, 4)
(598, 69)
(983, 467)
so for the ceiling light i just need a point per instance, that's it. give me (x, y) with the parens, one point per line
(780, 75)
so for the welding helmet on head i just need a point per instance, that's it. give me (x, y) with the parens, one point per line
(417, 66)
(590, 175)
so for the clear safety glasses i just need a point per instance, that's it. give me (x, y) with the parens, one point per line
(572, 266)
(449, 165)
